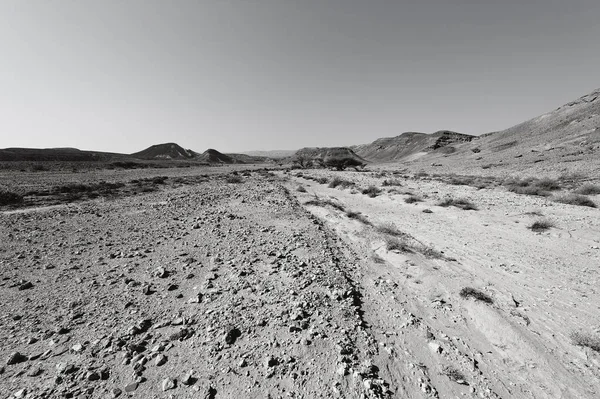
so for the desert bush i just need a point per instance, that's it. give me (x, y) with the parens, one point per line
(233, 179)
(532, 186)
(301, 189)
(395, 244)
(391, 182)
(10, 198)
(541, 225)
(431, 252)
(371, 191)
(461, 180)
(454, 374)
(461, 203)
(358, 216)
(339, 182)
(576, 199)
(586, 340)
(413, 199)
(588, 189)
(377, 259)
(321, 180)
(390, 229)
(469, 292)
(324, 203)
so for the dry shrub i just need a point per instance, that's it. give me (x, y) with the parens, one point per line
(461, 203)
(576, 199)
(469, 292)
(541, 225)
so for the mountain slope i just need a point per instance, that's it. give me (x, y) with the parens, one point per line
(165, 151)
(409, 145)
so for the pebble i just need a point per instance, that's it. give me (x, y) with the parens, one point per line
(131, 387)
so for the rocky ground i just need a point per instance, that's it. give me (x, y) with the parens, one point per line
(212, 286)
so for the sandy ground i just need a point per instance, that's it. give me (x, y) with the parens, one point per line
(543, 285)
(212, 289)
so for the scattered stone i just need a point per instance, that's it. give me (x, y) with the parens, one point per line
(15, 358)
(20, 393)
(160, 360)
(25, 286)
(131, 387)
(161, 272)
(168, 383)
(232, 335)
(35, 371)
(116, 392)
(188, 378)
(92, 376)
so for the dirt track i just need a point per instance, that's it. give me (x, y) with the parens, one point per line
(217, 289)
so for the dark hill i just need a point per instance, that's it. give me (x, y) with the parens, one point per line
(165, 151)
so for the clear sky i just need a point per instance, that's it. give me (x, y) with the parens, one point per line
(237, 75)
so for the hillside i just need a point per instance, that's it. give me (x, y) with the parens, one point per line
(565, 140)
(325, 154)
(165, 151)
(410, 145)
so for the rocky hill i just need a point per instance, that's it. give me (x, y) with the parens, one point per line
(326, 153)
(165, 151)
(565, 140)
(410, 145)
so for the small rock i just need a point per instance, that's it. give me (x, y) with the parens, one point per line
(20, 393)
(131, 387)
(232, 335)
(160, 360)
(35, 371)
(168, 383)
(92, 376)
(116, 392)
(25, 285)
(210, 393)
(15, 358)
(161, 272)
(271, 361)
(77, 348)
(188, 378)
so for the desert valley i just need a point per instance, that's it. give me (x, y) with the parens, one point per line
(436, 265)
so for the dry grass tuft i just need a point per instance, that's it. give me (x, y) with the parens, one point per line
(469, 292)
(358, 216)
(588, 189)
(413, 199)
(461, 203)
(371, 191)
(576, 199)
(586, 340)
(541, 225)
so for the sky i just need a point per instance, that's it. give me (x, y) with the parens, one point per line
(241, 75)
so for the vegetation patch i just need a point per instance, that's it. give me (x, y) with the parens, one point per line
(461, 203)
(588, 189)
(576, 199)
(10, 198)
(391, 182)
(358, 216)
(390, 229)
(234, 179)
(413, 199)
(532, 186)
(541, 225)
(339, 182)
(371, 191)
(469, 292)
(454, 374)
(586, 340)
(396, 244)
(324, 203)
